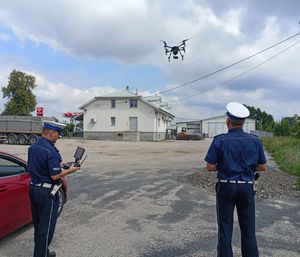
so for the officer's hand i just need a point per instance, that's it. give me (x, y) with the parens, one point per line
(66, 165)
(73, 168)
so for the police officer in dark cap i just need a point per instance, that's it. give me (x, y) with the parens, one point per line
(45, 166)
(236, 156)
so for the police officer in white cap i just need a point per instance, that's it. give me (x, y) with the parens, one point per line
(45, 167)
(236, 156)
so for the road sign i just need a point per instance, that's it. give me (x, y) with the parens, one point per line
(40, 111)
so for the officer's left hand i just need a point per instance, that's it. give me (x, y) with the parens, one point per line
(73, 169)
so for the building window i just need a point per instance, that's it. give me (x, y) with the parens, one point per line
(133, 103)
(113, 103)
(113, 121)
(158, 122)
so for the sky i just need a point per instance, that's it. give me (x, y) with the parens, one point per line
(79, 49)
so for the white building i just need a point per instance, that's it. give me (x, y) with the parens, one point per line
(212, 126)
(126, 116)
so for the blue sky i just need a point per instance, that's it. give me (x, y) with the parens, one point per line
(78, 50)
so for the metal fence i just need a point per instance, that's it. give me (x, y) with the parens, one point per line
(262, 134)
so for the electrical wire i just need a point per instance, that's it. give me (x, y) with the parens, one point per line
(224, 82)
(228, 66)
(241, 74)
(185, 119)
(126, 102)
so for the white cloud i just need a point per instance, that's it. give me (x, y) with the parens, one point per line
(4, 36)
(94, 29)
(58, 98)
(232, 21)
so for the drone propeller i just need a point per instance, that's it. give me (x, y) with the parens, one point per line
(165, 44)
(166, 47)
(186, 40)
(183, 42)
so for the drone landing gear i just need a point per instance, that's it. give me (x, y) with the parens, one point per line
(175, 56)
(181, 55)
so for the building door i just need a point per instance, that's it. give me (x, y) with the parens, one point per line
(193, 128)
(216, 128)
(133, 123)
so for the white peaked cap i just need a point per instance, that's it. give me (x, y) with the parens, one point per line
(237, 110)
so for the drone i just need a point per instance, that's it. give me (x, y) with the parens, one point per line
(175, 49)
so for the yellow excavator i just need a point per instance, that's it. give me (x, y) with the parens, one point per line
(183, 135)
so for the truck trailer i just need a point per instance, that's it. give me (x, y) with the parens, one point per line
(21, 129)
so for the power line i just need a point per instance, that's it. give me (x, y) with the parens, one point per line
(185, 119)
(229, 66)
(243, 73)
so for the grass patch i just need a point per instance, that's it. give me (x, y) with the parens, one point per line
(286, 153)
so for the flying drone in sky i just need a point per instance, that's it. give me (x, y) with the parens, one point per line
(174, 50)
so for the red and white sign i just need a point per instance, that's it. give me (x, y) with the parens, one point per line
(40, 111)
(71, 114)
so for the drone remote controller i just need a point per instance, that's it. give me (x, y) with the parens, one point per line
(78, 156)
(67, 165)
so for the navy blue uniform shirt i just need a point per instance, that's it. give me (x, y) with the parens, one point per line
(236, 154)
(43, 161)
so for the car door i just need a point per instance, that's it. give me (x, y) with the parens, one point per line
(14, 200)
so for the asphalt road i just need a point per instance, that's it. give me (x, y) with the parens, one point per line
(126, 201)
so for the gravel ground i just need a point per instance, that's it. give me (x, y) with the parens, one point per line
(126, 202)
(272, 184)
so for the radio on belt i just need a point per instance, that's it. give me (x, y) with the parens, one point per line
(78, 156)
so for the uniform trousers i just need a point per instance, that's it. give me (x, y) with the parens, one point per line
(241, 196)
(44, 211)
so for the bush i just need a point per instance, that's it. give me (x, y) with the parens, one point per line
(286, 152)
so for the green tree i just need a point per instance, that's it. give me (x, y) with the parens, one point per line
(67, 129)
(295, 126)
(264, 121)
(19, 92)
(282, 128)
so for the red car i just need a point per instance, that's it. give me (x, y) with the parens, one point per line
(15, 210)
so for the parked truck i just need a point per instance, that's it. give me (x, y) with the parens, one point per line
(21, 129)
